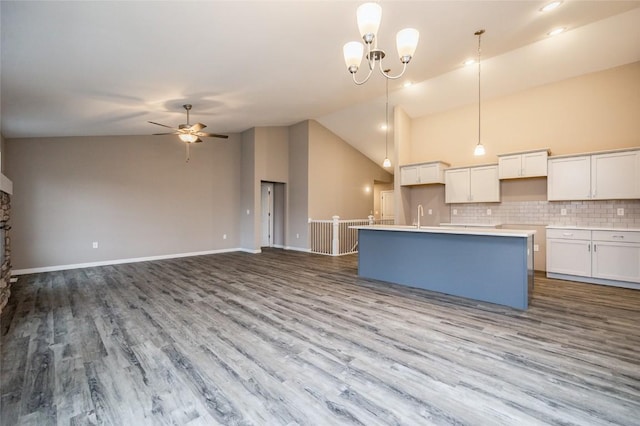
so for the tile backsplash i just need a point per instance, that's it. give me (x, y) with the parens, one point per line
(600, 213)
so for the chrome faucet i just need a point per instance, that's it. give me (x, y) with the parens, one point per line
(420, 213)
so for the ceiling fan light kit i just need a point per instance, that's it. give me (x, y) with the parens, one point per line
(369, 16)
(189, 133)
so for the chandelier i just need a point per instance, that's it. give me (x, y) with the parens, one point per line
(369, 16)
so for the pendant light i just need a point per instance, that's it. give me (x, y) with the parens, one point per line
(479, 150)
(386, 163)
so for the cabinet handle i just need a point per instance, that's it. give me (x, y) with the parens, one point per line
(595, 247)
(567, 234)
(619, 236)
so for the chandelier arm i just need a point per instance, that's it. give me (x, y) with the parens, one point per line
(359, 83)
(392, 77)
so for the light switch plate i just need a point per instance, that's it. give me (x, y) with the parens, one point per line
(563, 212)
(620, 212)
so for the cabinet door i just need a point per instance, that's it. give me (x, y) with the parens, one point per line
(616, 261)
(457, 186)
(615, 175)
(569, 178)
(534, 164)
(429, 173)
(510, 166)
(485, 185)
(409, 175)
(571, 257)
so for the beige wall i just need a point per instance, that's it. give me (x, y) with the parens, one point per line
(594, 112)
(135, 195)
(339, 176)
(402, 126)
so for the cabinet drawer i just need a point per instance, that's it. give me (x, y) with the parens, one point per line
(617, 236)
(569, 234)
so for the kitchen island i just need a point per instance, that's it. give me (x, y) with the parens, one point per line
(492, 265)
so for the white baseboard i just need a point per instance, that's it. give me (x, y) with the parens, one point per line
(306, 250)
(120, 261)
(258, 251)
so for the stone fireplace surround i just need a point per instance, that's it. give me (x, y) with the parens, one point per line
(5, 271)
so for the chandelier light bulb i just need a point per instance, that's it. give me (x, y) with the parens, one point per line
(353, 52)
(369, 17)
(406, 42)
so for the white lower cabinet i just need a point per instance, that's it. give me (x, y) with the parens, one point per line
(598, 256)
(571, 257)
(616, 255)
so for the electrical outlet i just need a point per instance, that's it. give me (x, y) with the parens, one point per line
(95, 244)
(621, 212)
(536, 247)
(430, 211)
(488, 212)
(563, 212)
(455, 212)
(248, 212)
(297, 235)
(224, 237)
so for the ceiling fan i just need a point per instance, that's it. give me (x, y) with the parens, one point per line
(189, 133)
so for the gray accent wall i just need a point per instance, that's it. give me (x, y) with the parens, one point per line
(298, 191)
(137, 197)
(134, 195)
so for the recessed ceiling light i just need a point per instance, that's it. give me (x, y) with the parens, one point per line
(469, 62)
(407, 84)
(556, 31)
(550, 6)
(383, 127)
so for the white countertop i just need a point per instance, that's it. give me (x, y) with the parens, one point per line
(477, 225)
(593, 228)
(521, 233)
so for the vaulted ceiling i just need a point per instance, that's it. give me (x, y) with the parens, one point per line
(71, 68)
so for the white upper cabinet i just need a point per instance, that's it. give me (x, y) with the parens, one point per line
(472, 185)
(523, 165)
(423, 174)
(569, 178)
(615, 175)
(457, 187)
(606, 176)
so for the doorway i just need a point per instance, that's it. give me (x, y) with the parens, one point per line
(272, 214)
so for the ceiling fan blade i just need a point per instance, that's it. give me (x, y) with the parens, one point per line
(170, 133)
(212, 135)
(163, 125)
(197, 140)
(197, 127)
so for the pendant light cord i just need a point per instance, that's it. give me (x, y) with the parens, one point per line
(386, 129)
(479, 33)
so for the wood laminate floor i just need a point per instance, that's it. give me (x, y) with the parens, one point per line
(288, 338)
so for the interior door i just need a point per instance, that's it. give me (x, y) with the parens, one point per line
(267, 214)
(387, 205)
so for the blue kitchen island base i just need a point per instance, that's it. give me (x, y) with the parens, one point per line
(490, 266)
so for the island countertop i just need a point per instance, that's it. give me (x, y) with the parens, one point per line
(491, 232)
